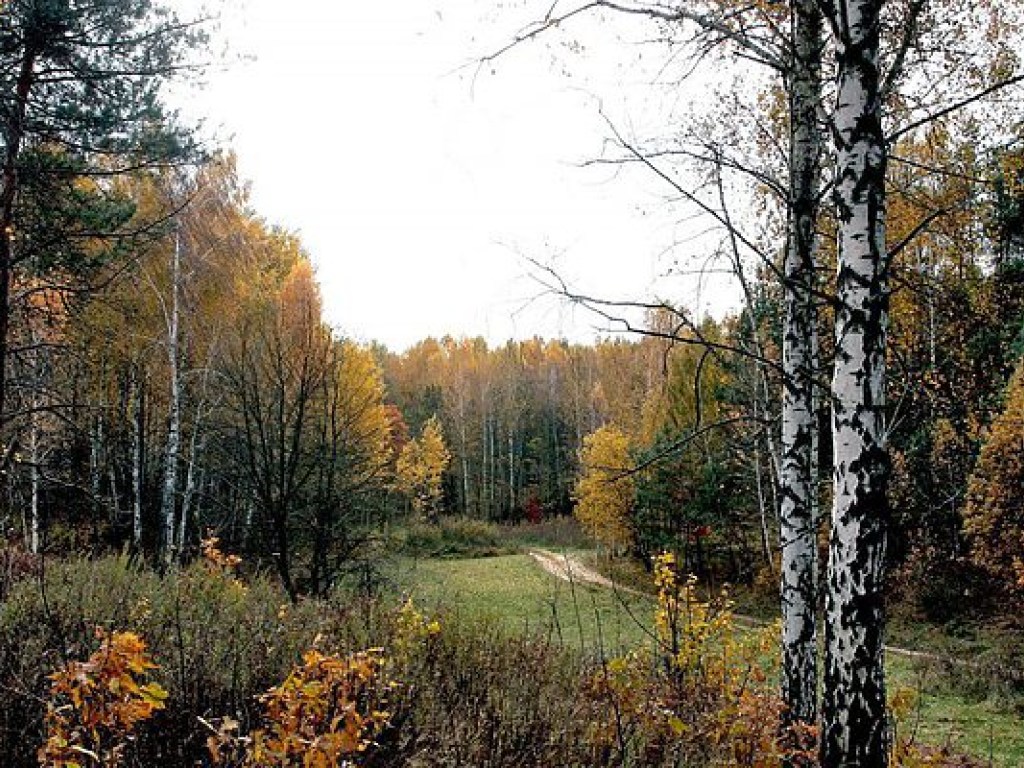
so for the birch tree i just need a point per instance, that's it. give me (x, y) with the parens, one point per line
(853, 724)
(798, 480)
(757, 33)
(80, 95)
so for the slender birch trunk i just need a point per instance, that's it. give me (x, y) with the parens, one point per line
(95, 468)
(35, 541)
(193, 478)
(853, 729)
(167, 504)
(797, 522)
(137, 419)
(511, 473)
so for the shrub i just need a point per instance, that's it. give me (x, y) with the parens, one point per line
(451, 537)
(702, 696)
(557, 532)
(96, 705)
(218, 644)
(329, 708)
(16, 565)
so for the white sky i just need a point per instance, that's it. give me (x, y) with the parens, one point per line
(415, 185)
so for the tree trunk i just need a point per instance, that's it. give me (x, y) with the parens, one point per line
(853, 728)
(511, 474)
(138, 422)
(796, 478)
(193, 477)
(13, 135)
(167, 503)
(35, 541)
(95, 468)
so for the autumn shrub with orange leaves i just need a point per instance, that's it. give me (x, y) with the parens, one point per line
(330, 708)
(96, 705)
(214, 557)
(324, 714)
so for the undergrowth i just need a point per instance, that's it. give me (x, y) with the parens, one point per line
(103, 663)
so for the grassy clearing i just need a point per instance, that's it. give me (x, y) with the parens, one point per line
(981, 728)
(513, 592)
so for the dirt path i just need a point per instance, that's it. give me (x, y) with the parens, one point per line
(569, 568)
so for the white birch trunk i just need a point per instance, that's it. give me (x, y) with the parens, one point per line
(511, 473)
(193, 478)
(95, 471)
(191, 481)
(853, 726)
(172, 454)
(137, 468)
(797, 529)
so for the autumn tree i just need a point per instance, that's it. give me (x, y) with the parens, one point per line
(304, 426)
(605, 490)
(994, 512)
(74, 108)
(420, 470)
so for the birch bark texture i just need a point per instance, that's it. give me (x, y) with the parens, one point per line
(853, 722)
(797, 482)
(168, 501)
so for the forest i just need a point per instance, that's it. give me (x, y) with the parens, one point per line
(786, 534)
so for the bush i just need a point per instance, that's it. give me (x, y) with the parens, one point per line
(96, 705)
(451, 537)
(558, 532)
(942, 590)
(16, 565)
(252, 680)
(217, 642)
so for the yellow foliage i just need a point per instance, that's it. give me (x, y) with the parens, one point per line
(605, 490)
(95, 705)
(707, 696)
(421, 467)
(216, 558)
(994, 513)
(412, 629)
(324, 714)
(330, 708)
(360, 412)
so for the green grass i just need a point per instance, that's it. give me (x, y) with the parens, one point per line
(981, 728)
(514, 592)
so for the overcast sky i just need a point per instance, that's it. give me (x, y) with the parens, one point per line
(418, 183)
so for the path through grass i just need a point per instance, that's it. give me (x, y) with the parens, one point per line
(514, 592)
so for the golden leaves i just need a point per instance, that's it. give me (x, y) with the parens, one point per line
(421, 466)
(328, 708)
(104, 699)
(994, 513)
(707, 696)
(606, 490)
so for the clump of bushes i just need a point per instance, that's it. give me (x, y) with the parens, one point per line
(16, 565)
(451, 537)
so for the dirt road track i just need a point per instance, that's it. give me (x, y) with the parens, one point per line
(569, 568)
